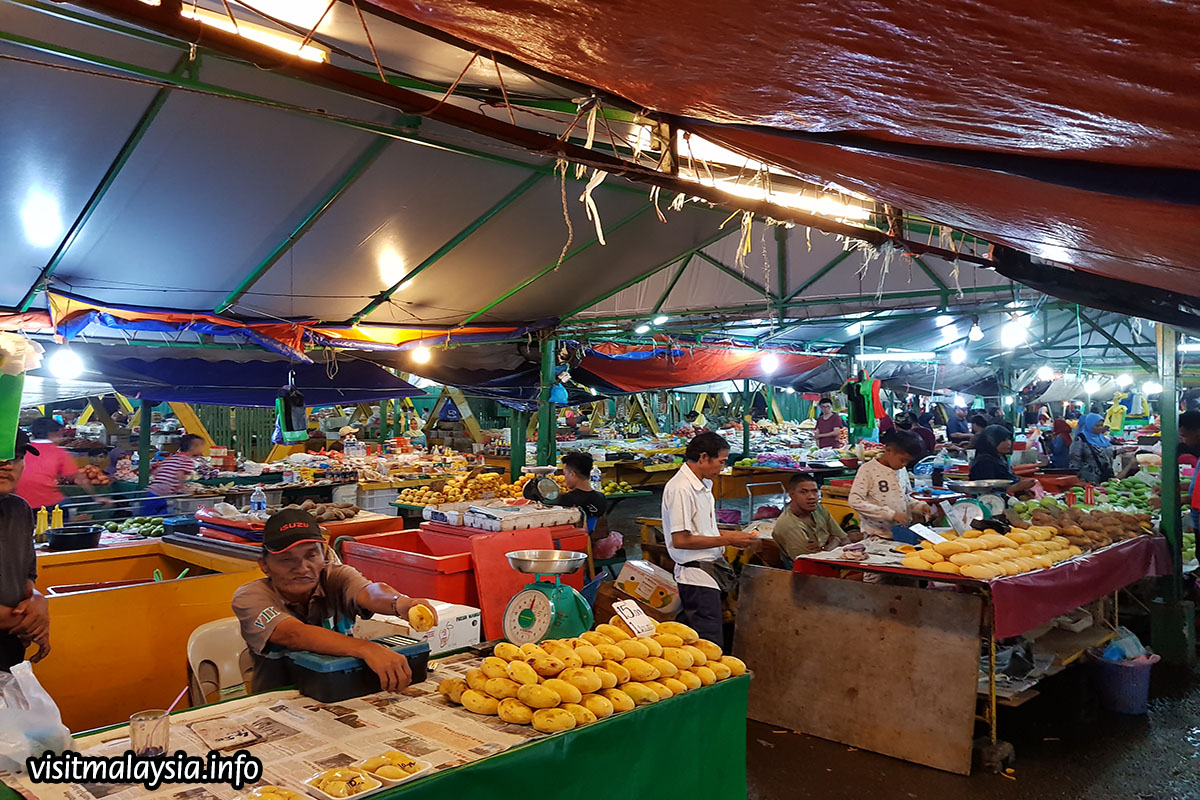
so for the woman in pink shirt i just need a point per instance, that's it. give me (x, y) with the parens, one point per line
(38, 484)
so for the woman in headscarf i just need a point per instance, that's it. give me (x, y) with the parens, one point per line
(1092, 453)
(1060, 445)
(992, 448)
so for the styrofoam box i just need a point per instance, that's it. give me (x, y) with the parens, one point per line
(458, 627)
(649, 583)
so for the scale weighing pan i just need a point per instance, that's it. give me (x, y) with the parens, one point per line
(546, 609)
(978, 486)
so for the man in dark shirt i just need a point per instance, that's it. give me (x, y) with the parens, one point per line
(24, 614)
(577, 469)
(958, 429)
(1189, 433)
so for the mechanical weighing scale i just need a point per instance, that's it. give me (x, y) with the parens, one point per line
(546, 609)
(543, 488)
(985, 499)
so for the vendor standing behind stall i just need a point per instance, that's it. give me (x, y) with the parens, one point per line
(24, 613)
(882, 494)
(828, 425)
(1060, 445)
(170, 474)
(992, 449)
(308, 603)
(38, 485)
(697, 547)
(1091, 452)
(805, 527)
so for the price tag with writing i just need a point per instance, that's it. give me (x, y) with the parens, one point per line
(928, 534)
(633, 616)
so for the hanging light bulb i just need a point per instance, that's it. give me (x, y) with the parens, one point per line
(661, 319)
(1044, 373)
(1013, 334)
(1008, 401)
(958, 355)
(1124, 380)
(421, 355)
(643, 328)
(769, 363)
(1091, 386)
(1151, 387)
(958, 400)
(66, 364)
(976, 332)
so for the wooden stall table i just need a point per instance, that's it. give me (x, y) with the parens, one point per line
(470, 756)
(640, 475)
(927, 641)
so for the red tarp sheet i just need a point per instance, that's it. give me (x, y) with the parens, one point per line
(1024, 602)
(1114, 85)
(685, 367)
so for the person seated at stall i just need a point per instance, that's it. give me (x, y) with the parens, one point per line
(958, 429)
(829, 425)
(992, 449)
(168, 476)
(577, 470)
(696, 420)
(1092, 452)
(309, 602)
(46, 465)
(805, 526)
(24, 612)
(1060, 445)
(904, 421)
(881, 494)
(1189, 434)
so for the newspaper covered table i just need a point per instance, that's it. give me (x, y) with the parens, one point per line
(295, 736)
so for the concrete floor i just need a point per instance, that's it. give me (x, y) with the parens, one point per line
(1066, 749)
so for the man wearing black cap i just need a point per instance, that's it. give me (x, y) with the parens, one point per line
(24, 614)
(307, 603)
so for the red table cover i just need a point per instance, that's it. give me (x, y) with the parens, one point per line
(1023, 602)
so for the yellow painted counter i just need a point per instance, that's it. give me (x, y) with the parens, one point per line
(119, 650)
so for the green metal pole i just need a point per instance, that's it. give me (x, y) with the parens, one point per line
(546, 455)
(1173, 619)
(397, 417)
(747, 404)
(519, 423)
(144, 445)
(384, 405)
(781, 257)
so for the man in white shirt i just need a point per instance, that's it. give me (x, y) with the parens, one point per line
(696, 545)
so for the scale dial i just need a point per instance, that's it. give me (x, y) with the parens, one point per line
(993, 503)
(965, 512)
(528, 617)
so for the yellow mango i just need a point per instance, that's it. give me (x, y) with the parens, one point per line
(521, 672)
(598, 704)
(391, 772)
(720, 670)
(687, 634)
(494, 667)
(621, 702)
(698, 657)
(531, 649)
(420, 617)
(476, 679)
(660, 689)
(610, 652)
(553, 720)
(583, 715)
(607, 679)
(547, 667)
(667, 639)
(689, 679)
(617, 669)
(586, 681)
(589, 655)
(640, 670)
(948, 549)
(735, 664)
(706, 675)
(634, 648)
(452, 689)
(641, 693)
(508, 651)
(931, 556)
(513, 710)
(674, 684)
(612, 632)
(595, 638)
(665, 668)
(946, 567)
(711, 650)
(538, 696)
(500, 688)
(480, 702)
(566, 692)
(966, 559)
(678, 656)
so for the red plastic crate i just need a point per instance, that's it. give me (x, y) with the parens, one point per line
(417, 562)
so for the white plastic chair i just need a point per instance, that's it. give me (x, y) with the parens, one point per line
(218, 661)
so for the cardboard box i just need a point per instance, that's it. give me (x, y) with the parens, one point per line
(650, 584)
(607, 594)
(458, 627)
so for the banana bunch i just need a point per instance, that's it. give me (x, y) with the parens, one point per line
(986, 555)
(557, 685)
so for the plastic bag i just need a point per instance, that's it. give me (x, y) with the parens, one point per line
(29, 720)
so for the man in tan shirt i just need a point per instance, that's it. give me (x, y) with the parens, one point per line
(307, 603)
(805, 527)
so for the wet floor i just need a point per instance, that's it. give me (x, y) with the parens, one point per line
(1066, 749)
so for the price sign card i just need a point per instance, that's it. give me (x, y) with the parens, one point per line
(633, 616)
(926, 533)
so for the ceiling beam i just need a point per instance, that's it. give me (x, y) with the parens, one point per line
(671, 286)
(106, 182)
(736, 275)
(1141, 362)
(455, 241)
(933, 276)
(557, 263)
(718, 236)
(365, 159)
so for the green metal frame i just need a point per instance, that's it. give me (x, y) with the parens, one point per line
(555, 265)
(652, 271)
(547, 441)
(454, 242)
(106, 182)
(781, 264)
(736, 275)
(671, 286)
(821, 273)
(1141, 362)
(368, 157)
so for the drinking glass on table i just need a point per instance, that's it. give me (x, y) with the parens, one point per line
(150, 732)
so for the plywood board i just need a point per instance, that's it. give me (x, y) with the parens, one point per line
(891, 669)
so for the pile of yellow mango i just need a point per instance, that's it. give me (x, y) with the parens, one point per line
(557, 685)
(986, 555)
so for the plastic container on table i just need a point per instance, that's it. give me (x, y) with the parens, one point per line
(1124, 686)
(331, 679)
(418, 563)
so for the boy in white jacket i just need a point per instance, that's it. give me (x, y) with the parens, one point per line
(881, 494)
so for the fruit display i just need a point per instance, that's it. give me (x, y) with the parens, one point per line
(392, 766)
(1189, 547)
(272, 793)
(1131, 495)
(616, 487)
(463, 489)
(94, 476)
(144, 526)
(985, 555)
(560, 684)
(343, 782)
